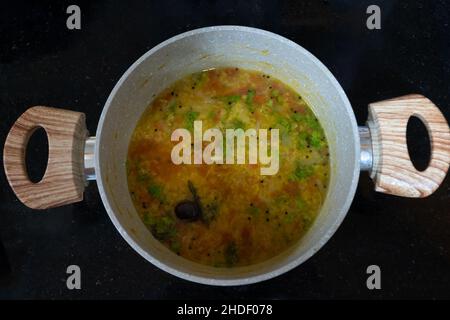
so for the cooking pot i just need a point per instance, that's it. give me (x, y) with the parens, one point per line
(378, 147)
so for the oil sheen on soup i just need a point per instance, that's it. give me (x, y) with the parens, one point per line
(226, 215)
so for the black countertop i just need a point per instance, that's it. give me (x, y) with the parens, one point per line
(42, 62)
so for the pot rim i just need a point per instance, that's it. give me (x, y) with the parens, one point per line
(260, 277)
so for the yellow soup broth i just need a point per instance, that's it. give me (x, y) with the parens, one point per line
(245, 217)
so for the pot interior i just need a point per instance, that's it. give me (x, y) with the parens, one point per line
(214, 47)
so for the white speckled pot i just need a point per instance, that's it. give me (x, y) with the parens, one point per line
(351, 148)
(215, 47)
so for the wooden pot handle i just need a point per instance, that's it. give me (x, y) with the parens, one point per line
(392, 170)
(63, 181)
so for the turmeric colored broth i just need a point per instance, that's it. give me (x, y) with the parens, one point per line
(246, 217)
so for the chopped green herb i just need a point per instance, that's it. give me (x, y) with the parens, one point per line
(162, 228)
(191, 116)
(296, 117)
(302, 172)
(249, 99)
(230, 100)
(238, 124)
(303, 140)
(275, 93)
(284, 124)
(231, 254)
(312, 122)
(316, 139)
(155, 190)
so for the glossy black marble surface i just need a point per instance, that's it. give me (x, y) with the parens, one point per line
(42, 62)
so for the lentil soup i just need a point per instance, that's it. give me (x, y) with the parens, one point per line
(228, 215)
